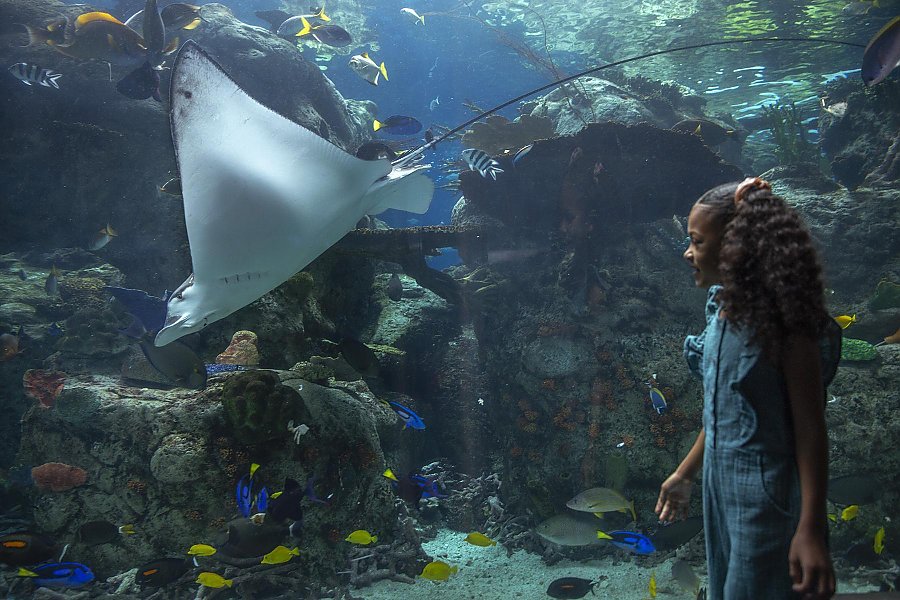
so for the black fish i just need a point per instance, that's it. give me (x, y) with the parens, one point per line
(359, 356)
(22, 274)
(273, 17)
(711, 133)
(247, 539)
(181, 16)
(375, 151)
(94, 533)
(571, 587)
(162, 572)
(332, 35)
(395, 288)
(140, 84)
(24, 548)
(669, 537)
(149, 310)
(287, 504)
(854, 489)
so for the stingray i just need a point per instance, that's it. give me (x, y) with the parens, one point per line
(263, 196)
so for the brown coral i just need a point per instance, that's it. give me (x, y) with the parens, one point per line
(593, 430)
(58, 477)
(44, 386)
(549, 384)
(241, 351)
(660, 441)
(516, 451)
(137, 486)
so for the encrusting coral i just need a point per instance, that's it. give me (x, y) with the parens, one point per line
(43, 386)
(58, 477)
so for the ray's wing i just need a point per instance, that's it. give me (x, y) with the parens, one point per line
(260, 192)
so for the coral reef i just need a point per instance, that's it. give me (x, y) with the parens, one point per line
(241, 351)
(257, 406)
(854, 350)
(44, 386)
(497, 133)
(58, 477)
(887, 295)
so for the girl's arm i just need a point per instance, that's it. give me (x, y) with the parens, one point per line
(675, 492)
(810, 563)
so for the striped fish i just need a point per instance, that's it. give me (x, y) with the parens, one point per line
(31, 74)
(481, 161)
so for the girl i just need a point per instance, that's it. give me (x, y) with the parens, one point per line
(768, 352)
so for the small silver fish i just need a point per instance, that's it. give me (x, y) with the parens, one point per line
(51, 285)
(419, 18)
(102, 238)
(31, 74)
(367, 68)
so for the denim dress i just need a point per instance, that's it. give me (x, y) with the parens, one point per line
(751, 489)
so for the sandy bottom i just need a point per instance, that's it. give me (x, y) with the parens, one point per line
(488, 574)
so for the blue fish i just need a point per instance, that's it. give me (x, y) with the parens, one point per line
(246, 494)
(59, 575)
(428, 486)
(410, 419)
(149, 310)
(658, 400)
(635, 543)
(398, 125)
(213, 368)
(262, 500)
(55, 330)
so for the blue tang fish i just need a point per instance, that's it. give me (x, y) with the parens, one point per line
(59, 575)
(636, 543)
(248, 495)
(410, 418)
(658, 400)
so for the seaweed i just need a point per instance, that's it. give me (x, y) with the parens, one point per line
(792, 147)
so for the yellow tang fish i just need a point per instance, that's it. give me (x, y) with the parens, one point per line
(281, 554)
(438, 570)
(361, 537)
(849, 513)
(878, 546)
(479, 539)
(651, 587)
(845, 321)
(213, 580)
(832, 517)
(201, 550)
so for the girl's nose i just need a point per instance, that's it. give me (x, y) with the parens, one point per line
(688, 256)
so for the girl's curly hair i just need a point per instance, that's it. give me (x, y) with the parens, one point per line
(771, 276)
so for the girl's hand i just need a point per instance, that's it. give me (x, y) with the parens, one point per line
(674, 497)
(810, 566)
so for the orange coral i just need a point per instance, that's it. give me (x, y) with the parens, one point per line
(58, 477)
(193, 515)
(628, 440)
(241, 351)
(601, 391)
(44, 386)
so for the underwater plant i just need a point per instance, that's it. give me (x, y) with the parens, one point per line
(792, 147)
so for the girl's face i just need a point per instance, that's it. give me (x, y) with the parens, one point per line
(706, 241)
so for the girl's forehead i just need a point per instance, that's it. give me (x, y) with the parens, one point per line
(701, 217)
